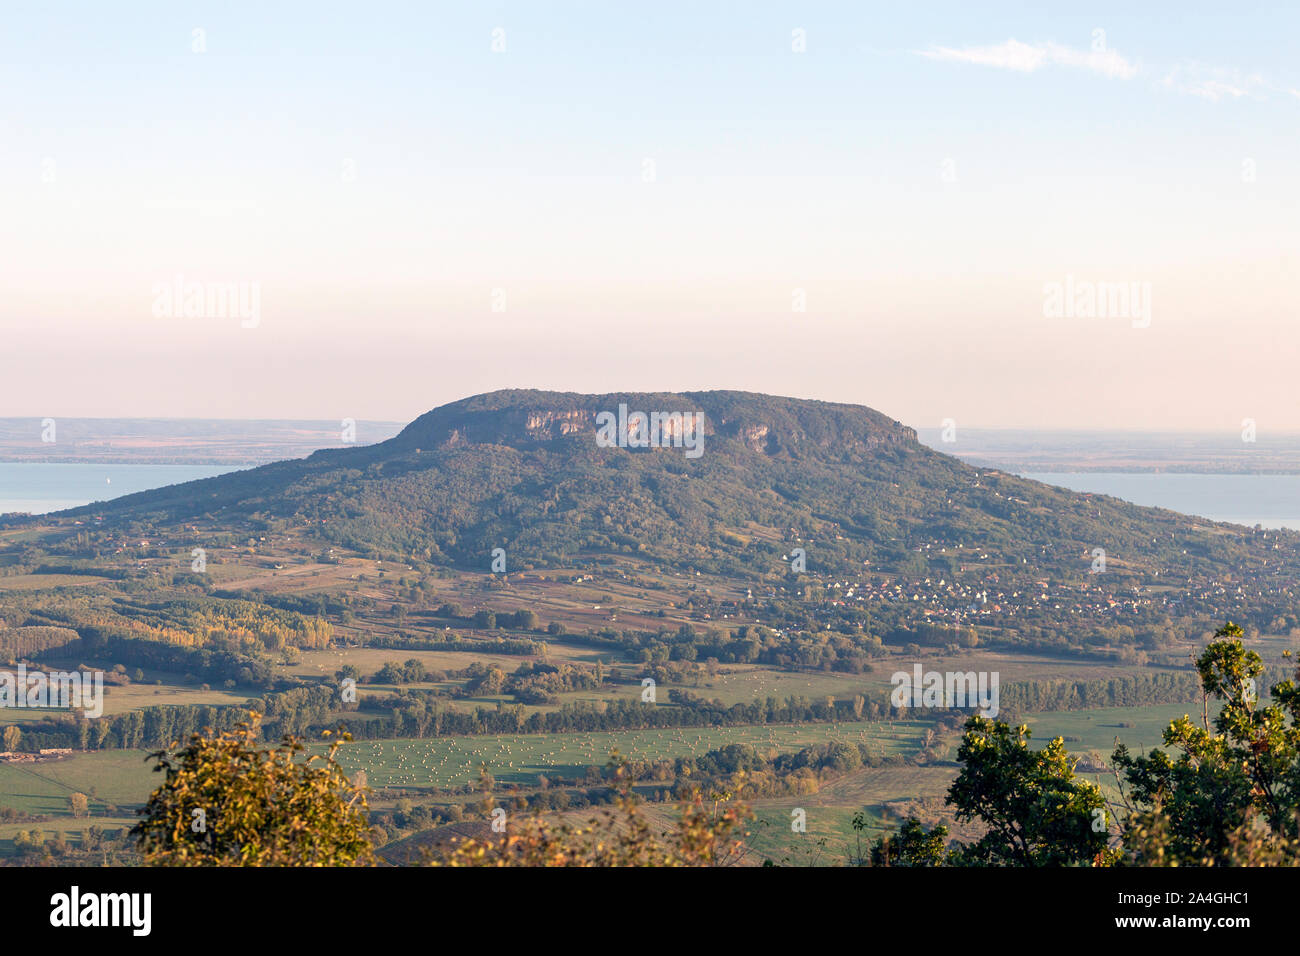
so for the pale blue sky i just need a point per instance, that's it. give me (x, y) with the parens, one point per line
(920, 173)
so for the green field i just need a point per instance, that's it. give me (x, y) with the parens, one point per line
(40, 582)
(825, 842)
(1097, 729)
(117, 777)
(443, 762)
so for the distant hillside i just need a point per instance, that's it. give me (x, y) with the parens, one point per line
(522, 470)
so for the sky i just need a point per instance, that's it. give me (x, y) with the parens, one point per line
(884, 204)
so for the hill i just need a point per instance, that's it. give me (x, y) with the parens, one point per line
(523, 471)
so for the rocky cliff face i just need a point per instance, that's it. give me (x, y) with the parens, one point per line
(764, 424)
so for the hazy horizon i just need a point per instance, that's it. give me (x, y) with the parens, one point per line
(864, 206)
(922, 428)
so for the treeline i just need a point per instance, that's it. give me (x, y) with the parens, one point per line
(420, 714)
(17, 642)
(153, 727)
(1137, 690)
(83, 568)
(454, 642)
(292, 711)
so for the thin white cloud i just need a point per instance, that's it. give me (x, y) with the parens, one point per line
(1031, 57)
(1201, 80)
(1216, 83)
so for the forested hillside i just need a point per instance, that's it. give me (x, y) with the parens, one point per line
(521, 471)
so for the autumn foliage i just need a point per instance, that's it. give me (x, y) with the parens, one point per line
(225, 801)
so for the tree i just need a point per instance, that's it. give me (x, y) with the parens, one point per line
(913, 845)
(227, 802)
(1231, 796)
(1037, 812)
(13, 735)
(79, 804)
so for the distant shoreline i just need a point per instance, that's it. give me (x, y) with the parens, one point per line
(220, 443)
(234, 443)
(1175, 453)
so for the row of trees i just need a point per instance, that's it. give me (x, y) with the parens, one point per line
(291, 711)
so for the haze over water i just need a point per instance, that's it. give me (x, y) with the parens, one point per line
(1272, 501)
(39, 488)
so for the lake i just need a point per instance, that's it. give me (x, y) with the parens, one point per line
(1272, 501)
(38, 487)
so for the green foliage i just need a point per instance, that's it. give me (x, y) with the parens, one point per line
(912, 845)
(1037, 812)
(1231, 790)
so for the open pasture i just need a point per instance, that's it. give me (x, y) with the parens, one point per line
(443, 762)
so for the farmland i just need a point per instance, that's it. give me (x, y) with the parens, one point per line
(588, 604)
(445, 763)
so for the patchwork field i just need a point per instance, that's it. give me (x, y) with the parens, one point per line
(421, 784)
